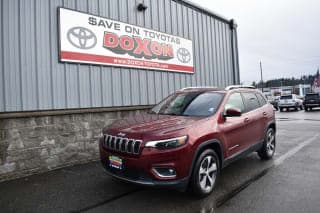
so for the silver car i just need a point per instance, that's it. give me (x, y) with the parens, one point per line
(290, 101)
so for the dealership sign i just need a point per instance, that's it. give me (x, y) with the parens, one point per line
(85, 38)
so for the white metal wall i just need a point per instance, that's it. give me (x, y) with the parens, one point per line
(32, 78)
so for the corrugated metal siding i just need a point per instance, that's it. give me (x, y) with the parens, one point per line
(32, 78)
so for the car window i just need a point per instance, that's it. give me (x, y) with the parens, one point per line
(190, 104)
(251, 101)
(261, 99)
(204, 105)
(286, 97)
(312, 96)
(235, 101)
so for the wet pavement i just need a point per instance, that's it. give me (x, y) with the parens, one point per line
(288, 183)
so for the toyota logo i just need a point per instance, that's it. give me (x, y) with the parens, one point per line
(183, 55)
(82, 38)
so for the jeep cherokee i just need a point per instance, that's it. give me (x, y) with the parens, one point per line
(186, 139)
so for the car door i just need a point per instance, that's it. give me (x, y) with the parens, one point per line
(266, 114)
(235, 129)
(254, 117)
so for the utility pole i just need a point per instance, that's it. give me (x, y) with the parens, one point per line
(261, 79)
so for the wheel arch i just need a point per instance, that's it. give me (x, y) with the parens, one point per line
(272, 125)
(213, 144)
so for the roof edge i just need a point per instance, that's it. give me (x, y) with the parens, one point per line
(207, 11)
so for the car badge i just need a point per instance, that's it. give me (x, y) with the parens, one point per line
(121, 134)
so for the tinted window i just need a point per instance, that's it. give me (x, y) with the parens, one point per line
(261, 99)
(284, 97)
(251, 101)
(312, 96)
(189, 104)
(235, 101)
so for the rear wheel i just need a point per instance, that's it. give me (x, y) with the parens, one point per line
(301, 107)
(205, 173)
(281, 109)
(269, 145)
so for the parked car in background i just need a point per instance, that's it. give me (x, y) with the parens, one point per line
(290, 101)
(274, 100)
(186, 139)
(311, 100)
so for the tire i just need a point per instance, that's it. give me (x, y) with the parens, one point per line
(301, 107)
(200, 180)
(281, 109)
(269, 145)
(306, 109)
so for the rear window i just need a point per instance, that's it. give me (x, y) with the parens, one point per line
(251, 101)
(312, 96)
(286, 97)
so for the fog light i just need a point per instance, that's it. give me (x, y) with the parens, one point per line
(165, 172)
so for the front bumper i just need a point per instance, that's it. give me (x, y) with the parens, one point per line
(139, 169)
(145, 181)
(311, 104)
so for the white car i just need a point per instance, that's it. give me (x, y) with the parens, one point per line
(290, 101)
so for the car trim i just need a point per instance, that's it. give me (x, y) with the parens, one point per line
(233, 147)
(180, 182)
(242, 153)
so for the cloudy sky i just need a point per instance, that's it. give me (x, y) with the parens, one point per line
(283, 34)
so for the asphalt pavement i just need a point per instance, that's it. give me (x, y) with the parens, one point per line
(288, 183)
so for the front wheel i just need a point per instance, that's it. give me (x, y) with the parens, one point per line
(269, 145)
(205, 173)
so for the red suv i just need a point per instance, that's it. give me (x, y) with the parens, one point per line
(187, 138)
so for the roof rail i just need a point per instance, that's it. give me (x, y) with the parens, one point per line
(239, 86)
(190, 88)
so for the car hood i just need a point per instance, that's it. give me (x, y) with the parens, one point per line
(151, 124)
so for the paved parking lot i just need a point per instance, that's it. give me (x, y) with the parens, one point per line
(289, 183)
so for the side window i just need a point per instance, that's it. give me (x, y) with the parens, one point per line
(261, 99)
(251, 101)
(235, 101)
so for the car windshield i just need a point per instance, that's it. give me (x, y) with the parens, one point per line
(312, 96)
(189, 104)
(284, 97)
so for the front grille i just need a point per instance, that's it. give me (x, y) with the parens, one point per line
(122, 144)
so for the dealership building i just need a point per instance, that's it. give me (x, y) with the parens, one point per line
(71, 67)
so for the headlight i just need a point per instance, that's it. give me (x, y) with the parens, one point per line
(168, 143)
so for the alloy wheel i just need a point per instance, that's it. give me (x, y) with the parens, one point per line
(207, 173)
(271, 142)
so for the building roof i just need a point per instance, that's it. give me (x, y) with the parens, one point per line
(207, 11)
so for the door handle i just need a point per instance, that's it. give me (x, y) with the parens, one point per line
(246, 120)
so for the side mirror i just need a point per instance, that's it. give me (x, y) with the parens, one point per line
(232, 112)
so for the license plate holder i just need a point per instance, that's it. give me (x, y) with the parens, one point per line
(115, 162)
